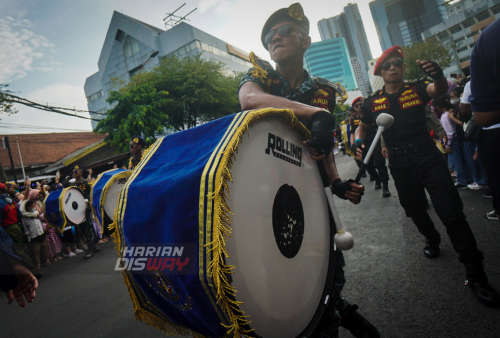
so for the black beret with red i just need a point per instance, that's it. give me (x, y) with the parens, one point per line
(393, 51)
(294, 13)
(356, 100)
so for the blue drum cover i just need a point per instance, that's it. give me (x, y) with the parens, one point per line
(53, 211)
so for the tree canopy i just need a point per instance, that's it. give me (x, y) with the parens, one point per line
(139, 111)
(200, 90)
(178, 94)
(429, 49)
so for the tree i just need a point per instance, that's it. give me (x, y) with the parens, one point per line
(5, 102)
(139, 111)
(429, 49)
(200, 90)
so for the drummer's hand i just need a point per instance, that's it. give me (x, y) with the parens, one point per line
(315, 155)
(359, 152)
(354, 195)
(90, 171)
(385, 153)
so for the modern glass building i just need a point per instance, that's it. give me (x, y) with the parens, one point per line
(460, 32)
(350, 26)
(130, 42)
(330, 59)
(401, 22)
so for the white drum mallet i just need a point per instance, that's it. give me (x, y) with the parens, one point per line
(384, 122)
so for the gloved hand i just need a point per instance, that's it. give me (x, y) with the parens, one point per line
(357, 145)
(433, 68)
(322, 128)
(340, 187)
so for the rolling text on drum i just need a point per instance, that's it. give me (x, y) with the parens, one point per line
(284, 150)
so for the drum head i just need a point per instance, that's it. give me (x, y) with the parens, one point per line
(74, 205)
(281, 231)
(111, 197)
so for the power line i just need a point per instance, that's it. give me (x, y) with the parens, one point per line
(26, 126)
(59, 110)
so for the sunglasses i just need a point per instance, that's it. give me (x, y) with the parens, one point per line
(358, 105)
(397, 63)
(283, 31)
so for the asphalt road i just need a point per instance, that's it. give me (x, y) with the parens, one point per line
(399, 290)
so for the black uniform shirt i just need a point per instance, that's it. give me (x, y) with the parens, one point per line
(316, 92)
(409, 131)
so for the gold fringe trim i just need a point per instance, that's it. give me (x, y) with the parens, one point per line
(83, 154)
(258, 72)
(217, 268)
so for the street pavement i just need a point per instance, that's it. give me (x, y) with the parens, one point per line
(399, 290)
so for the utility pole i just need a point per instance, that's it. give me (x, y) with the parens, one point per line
(7, 145)
(20, 157)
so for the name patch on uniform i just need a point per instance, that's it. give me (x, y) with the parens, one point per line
(379, 104)
(409, 98)
(323, 93)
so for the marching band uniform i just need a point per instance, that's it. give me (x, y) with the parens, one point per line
(416, 164)
(87, 227)
(317, 92)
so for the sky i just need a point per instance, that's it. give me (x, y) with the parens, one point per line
(48, 48)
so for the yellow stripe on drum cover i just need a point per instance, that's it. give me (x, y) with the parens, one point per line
(206, 221)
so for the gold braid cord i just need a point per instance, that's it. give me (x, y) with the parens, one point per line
(218, 269)
(258, 72)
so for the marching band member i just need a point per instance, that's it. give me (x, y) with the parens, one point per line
(87, 226)
(137, 145)
(285, 36)
(416, 164)
(376, 166)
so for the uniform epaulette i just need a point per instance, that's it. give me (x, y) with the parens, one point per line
(260, 67)
(340, 91)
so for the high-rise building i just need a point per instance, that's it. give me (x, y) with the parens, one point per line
(330, 59)
(129, 43)
(350, 26)
(460, 32)
(401, 22)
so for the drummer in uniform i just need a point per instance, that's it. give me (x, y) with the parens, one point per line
(416, 163)
(87, 226)
(376, 166)
(136, 146)
(313, 100)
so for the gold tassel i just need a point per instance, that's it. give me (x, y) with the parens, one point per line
(258, 72)
(217, 268)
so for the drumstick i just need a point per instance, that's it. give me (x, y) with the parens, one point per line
(384, 121)
(329, 197)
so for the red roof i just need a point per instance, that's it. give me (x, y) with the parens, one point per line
(43, 149)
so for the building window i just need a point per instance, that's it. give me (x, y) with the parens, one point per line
(483, 16)
(469, 22)
(95, 96)
(131, 47)
(120, 35)
(456, 29)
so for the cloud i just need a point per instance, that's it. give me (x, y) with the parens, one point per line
(20, 47)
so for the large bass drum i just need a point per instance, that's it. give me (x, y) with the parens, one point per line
(245, 202)
(64, 205)
(104, 194)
